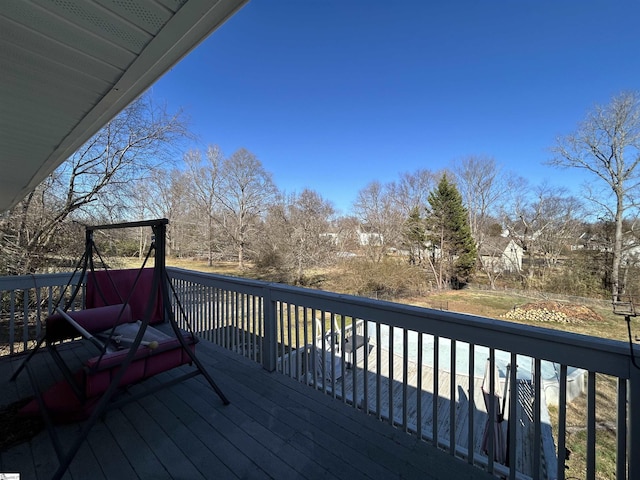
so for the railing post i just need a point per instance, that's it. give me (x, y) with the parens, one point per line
(270, 337)
(633, 445)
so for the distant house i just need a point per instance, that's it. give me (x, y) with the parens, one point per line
(501, 254)
(369, 237)
(589, 241)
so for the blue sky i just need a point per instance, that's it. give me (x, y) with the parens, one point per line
(331, 95)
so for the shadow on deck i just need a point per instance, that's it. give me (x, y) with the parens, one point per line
(275, 427)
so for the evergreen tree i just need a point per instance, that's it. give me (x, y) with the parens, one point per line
(414, 236)
(453, 249)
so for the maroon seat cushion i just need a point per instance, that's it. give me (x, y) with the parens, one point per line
(94, 378)
(99, 372)
(93, 320)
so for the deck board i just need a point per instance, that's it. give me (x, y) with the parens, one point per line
(275, 427)
(396, 397)
(287, 428)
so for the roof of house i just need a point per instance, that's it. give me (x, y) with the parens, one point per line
(68, 67)
(494, 245)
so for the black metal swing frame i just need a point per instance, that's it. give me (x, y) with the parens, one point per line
(161, 285)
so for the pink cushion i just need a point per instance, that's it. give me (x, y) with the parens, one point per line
(64, 406)
(93, 320)
(145, 364)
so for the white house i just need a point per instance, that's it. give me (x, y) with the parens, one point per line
(501, 254)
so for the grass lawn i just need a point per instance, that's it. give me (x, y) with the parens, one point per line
(484, 303)
(495, 304)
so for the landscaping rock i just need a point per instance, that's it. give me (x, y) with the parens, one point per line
(552, 312)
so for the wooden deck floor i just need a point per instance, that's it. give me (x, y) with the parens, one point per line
(274, 427)
(388, 398)
(392, 395)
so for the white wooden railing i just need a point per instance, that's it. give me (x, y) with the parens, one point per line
(25, 302)
(273, 324)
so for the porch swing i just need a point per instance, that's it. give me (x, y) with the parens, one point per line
(129, 319)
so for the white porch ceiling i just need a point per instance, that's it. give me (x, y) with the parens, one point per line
(67, 67)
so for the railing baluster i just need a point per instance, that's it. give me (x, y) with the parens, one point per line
(243, 333)
(435, 390)
(262, 323)
(621, 430)
(471, 405)
(513, 426)
(230, 315)
(247, 319)
(227, 329)
(237, 325)
(223, 318)
(419, 388)
(201, 326)
(217, 320)
(452, 400)
(324, 351)
(289, 338)
(491, 410)
(50, 301)
(205, 324)
(211, 312)
(537, 423)
(391, 379)
(562, 423)
(378, 372)
(12, 320)
(191, 300)
(297, 343)
(305, 329)
(343, 370)
(230, 320)
(314, 349)
(219, 316)
(38, 311)
(333, 333)
(282, 343)
(365, 370)
(591, 426)
(405, 377)
(25, 320)
(199, 307)
(354, 363)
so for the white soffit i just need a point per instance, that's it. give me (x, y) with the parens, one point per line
(67, 67)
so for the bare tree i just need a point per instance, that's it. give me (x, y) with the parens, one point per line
(520, 217)
(95, 183)
(412, 190)
(381, 221)
(543, 220)
(607, 145)
(563, 216)
(205, 188)
(297, 235)
(164, 193)
(310, 218)
(246, 190)
(482, 186)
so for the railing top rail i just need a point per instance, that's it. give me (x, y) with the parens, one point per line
(21, 282)
(583, 351)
